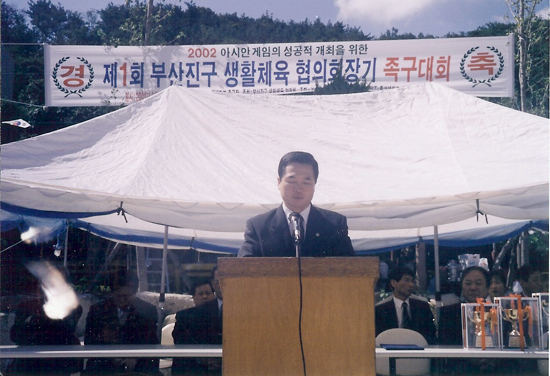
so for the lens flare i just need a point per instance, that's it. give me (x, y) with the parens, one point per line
(60, 297)
(37, 235)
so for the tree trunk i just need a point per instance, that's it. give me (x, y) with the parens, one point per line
(148, 22)
(522, 56)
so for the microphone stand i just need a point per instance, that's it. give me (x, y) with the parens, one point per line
(296, 222)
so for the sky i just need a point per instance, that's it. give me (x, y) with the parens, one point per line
(374, 17)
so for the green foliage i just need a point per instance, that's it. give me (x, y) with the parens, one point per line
(537, 69)
(14, 26)
(54, 25)
(537, 65)
(194, 25)
(394, 34)
(341, 85)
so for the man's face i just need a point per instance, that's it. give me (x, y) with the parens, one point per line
(297, 186)
(497, 287)
(474, 286)
(123, 297)
(533, 284)
(203, 294)
(403, 288)
(216, 285)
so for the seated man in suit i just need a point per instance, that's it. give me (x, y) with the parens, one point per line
(33, 326)
(202, 325)
(122, 319)
(404, 310)
(324, 233)
(530, 279)
(474, 284)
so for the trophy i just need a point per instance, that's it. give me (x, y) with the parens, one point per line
(512, 315)
(480, 320)
(544, 305)
(480, 325)
(544, 309)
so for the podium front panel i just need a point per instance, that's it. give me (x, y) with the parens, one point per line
(262, 312)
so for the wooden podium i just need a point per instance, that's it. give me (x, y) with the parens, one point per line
(261, 311)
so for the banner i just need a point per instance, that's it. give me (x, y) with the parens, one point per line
(100, 75)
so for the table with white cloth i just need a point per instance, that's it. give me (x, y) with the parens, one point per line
(172, 351)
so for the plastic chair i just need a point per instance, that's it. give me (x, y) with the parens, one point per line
(408, 367)
(166, 339)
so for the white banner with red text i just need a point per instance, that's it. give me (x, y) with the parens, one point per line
(103, 75)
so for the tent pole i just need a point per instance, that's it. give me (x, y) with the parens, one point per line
(66, 244)
(164, 262)
(162, 283)
(437, 281)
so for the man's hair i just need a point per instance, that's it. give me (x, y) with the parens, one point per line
(524, 272)
(500, 274)
(470, 269)
(200, 282)
(125, 278)
(398, 273)
(298, 157)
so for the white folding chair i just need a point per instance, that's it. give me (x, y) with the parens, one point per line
(166, 339)
(407, 367)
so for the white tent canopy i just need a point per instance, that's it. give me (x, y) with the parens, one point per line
(133, 231)
(400, 159)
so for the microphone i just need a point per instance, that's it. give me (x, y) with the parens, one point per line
(296, 220)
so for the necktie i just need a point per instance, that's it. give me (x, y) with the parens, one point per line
(406, 323)
(300, 221)
(122, 316)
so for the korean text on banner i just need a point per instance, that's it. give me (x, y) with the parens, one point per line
(100, 75)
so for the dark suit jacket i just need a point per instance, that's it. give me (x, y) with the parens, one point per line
(103, 328)
(422, 319)
(198, 326)
(33, 327)
(450, 325)
(267, 235)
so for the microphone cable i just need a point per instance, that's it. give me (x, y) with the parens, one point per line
(297, 222)
(301, 309)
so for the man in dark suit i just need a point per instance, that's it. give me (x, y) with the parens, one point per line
(122, 319)
(202, 325)
(324, 233)
(404, 310)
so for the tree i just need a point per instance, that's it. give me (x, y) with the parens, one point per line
(126, 25)
(18, 45)
(394, 34)
(523, 12)
(341, 85)
(537, 74)
(54, 25)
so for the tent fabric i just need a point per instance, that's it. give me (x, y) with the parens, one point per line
(405, 158)
(130, 230)
(363, 242)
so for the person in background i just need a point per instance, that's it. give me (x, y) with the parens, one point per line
(122, 319)
(201, 325)
(32, 326)
(474, 284)
(202, 291)
(403, 309)
(325, 233)
(530, 280)
(497, 285)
